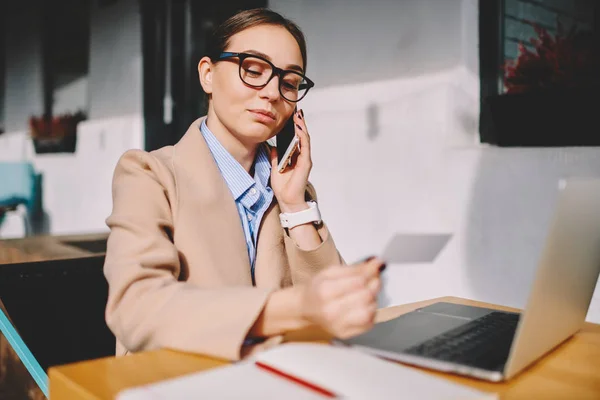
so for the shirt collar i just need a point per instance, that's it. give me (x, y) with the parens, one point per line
(236, 177)
(262, 167)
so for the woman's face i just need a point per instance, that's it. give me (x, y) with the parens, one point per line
(254, 115)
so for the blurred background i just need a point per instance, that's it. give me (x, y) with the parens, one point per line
(416, 124)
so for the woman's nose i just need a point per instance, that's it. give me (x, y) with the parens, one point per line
(271, 89)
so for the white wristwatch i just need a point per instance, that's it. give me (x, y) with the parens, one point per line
(312, 214)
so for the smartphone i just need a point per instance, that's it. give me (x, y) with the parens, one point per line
(287, 144)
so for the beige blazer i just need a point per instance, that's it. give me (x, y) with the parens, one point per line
(177, 263)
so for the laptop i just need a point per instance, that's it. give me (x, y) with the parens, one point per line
(494, 345)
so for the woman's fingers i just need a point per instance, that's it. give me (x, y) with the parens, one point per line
(366, 268)
(374, 285)
(346, 296)
(343, 286)
(303, 135)
(358, 299)
(358, 310)
(273, 157)
(301, 122)
(371, 268)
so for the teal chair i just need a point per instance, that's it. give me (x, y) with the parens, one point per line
(20, 185)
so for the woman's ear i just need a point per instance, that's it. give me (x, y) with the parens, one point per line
(205, 73)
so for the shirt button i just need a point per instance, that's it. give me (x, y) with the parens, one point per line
(253, 191)
(249, 217)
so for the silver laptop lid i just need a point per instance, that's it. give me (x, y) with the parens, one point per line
(565, 278)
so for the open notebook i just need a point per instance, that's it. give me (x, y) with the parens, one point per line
(308, 371)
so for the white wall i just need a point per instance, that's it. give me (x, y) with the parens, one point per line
(394, 37)
(77, 187)
(396, 148)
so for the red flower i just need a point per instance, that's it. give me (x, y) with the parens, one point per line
(565, 61)
(55, 127)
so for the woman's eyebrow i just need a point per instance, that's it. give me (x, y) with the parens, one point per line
(263, 55)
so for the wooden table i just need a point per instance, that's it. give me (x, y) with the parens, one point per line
(50, 247)
(572, 371)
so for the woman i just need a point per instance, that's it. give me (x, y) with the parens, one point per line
(197, 257)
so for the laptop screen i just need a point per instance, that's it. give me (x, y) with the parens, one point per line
(21, 376)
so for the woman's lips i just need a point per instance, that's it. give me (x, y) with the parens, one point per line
(263, 116)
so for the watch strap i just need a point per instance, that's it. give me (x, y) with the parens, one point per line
(291, 220)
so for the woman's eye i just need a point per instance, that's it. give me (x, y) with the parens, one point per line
(290, 86)
(253, 73)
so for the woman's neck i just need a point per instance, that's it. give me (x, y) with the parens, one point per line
(243, 153)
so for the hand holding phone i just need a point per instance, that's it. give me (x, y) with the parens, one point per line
(293, 147)
(287, 144)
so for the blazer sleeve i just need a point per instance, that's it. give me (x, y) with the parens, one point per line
(148, 307)
(306, 263)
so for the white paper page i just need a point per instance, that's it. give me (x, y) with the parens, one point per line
(240, 381)
(356, 375)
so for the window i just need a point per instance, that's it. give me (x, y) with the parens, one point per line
(546, 14)
(2, 65)
(174, 38)
(537, 114)
(66, 56)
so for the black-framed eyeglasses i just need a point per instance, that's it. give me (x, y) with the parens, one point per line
(257, 72)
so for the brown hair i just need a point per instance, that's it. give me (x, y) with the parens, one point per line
(221, 36)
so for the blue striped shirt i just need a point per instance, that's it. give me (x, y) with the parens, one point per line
(252, 195)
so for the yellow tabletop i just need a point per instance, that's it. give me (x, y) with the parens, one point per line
(572, 371)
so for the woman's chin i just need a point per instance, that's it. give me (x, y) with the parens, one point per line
(258, 135)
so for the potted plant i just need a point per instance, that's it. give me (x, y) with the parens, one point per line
(551, 96)
(56, 134)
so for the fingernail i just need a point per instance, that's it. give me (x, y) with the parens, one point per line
(298, 126)
(301, 113)
(382, 268)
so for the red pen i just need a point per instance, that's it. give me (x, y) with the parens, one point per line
(301, 382)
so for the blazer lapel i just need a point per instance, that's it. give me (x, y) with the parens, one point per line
(207, 213)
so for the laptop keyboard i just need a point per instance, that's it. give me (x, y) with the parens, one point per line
(482, 343)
